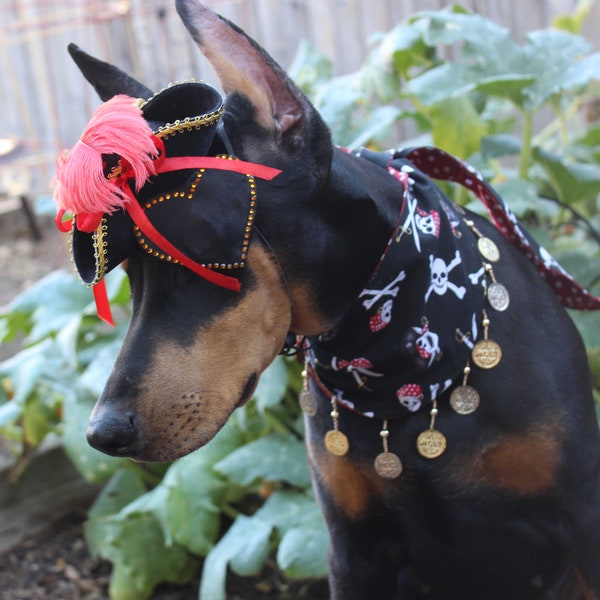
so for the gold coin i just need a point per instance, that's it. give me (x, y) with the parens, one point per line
(388, 465)
(498, 296)
(486, 354)
(431, 443)
(336, 443)
(488, 249)
(308, 402)
(464, 400)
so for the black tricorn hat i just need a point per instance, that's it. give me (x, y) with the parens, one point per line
(184, 117)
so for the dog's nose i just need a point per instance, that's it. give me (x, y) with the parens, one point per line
(114, 433)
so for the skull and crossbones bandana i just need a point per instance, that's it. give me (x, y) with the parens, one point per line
(409, 335)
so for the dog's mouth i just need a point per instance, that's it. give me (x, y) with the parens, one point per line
(248, 390)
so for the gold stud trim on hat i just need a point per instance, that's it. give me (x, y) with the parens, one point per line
(187, 124)
(100, 246)
(189, 195)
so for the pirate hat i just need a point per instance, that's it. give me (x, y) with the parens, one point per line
(184, 118)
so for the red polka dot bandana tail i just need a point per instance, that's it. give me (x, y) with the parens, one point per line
(440, 165)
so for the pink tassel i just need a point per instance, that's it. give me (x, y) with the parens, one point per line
(117, 127)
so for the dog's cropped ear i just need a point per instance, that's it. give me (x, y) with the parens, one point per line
(244, 68)
(108, 80)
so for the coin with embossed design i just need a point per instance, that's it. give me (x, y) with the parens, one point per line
(464, 400)
(388, 465)
(336, 443)
(498, 296)
(431, 443)
(486, 354)
(308, 402)
(488, 249)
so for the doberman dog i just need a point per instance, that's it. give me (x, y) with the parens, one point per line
(450, 425)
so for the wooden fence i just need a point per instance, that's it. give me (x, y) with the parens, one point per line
(44, 102)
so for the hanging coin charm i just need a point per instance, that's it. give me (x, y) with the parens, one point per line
(497, 296)
(486, 353)
(464, 400)
(335, 441)
(307, 400)
(387, 464)
(488, 249)
(431, 443)
(496, 293)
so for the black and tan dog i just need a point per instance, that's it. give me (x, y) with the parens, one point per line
(450, 424)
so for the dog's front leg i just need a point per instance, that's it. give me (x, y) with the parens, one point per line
(366, 551)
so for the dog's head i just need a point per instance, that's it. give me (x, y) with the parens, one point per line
(195, 348)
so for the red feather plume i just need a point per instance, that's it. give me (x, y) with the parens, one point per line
(118, 128)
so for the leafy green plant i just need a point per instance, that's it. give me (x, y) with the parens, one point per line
(512, 110)
(153, 522)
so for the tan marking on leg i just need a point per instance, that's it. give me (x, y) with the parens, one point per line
(524, 464)
(588, 593)
(352, 486)
(189, 393)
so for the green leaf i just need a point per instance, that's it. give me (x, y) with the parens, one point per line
(25, 368)
(53, 302)
(94, 466)
(10, 412)
(123, 488)
(94, 377)
(309, 67)
(271, 385)
(572, 181)
(375, 125)
(191, 513)
(136, 547)
(502, 144)
(554, 57)
(246, 532)
(447, 27)
(275, 458)
(302, 553)
(39, 418)
(574, 21)
(523, 199)
(456, 127)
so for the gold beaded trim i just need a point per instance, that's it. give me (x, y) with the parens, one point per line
(100, 246)
(188, 124)
(189, 195)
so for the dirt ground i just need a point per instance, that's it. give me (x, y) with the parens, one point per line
(57, 565)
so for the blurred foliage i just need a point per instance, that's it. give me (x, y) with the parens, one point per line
(463, 84)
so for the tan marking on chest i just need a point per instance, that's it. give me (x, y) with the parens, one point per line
(525, 464)
(352, 487)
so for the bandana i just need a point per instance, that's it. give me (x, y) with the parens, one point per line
(410, 333)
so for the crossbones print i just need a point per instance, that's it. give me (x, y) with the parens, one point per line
(440, 282)
(388, 290)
